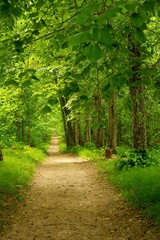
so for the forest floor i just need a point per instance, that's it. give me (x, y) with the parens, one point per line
(69, 199)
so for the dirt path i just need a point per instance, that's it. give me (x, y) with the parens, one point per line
(69, 200)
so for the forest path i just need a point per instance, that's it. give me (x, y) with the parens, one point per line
(70, 200)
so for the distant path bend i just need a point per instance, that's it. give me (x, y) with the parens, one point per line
(70, 200)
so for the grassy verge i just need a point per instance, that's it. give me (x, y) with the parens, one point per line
(139, 184)
(17, 170)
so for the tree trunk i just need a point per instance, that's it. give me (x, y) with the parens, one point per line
(80, 134)
(99, 133)
(88, 130)
(29, 128)
(1, 154)
(18, 132)
(139, 118)
(23, 133)
(137, 97)
(68, 128)
(76, 133)
(112, 124)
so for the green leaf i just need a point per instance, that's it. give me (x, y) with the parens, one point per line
(90, 8)
(21, 75)
(108, 14)
(26, 84)
(53, 101)
(17, 12)
(55, 44)
(40, 3)
(11, 82)
(79, 38)
(35, 78)
(131, 6)
(84, 97)
(106, 87)
(35, 32)
(4, 10)
(136, 84)
(109, 3)
(85, 13)
(139, 35)
(30, 70)
(137, 20)
(34, 14)
(103, 36)
(46, 110)
(149, 5)
(10, 21)
(92, 52)
(18, 44)
(27, 40)
(44, 23)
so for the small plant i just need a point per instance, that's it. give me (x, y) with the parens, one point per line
(136, 159)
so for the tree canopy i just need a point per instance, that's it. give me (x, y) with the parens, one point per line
(95, 63)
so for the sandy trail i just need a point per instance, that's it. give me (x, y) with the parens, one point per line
(70, 200)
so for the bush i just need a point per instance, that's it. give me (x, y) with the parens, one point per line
(131, 158)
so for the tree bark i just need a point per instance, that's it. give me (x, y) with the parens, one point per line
(1, 154)
(80, 133)
(18, 132)
(112, 124)
(29, 128)
(77, 133)
(99, 133)
(68, 128)
(23, 133)
(137, 96)
(88, 130)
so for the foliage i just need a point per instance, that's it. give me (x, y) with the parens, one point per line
(61, 62)
(17, 169)
(131, 158)
(89, 151)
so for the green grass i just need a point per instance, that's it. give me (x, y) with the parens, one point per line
(17, 170)
(139, 185)
(88, 152)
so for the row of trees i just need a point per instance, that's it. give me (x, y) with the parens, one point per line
(96, 62)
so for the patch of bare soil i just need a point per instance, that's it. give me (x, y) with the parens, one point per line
(70, 200)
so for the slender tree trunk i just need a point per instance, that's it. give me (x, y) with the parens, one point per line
(18, 125)
(88, 130)
(29, 128)
(23, 133)
(64, 121)
(80, 133)
(95, 131)
(139, 118)
(1, 154)
(99, 133)
(137, 97)
(68, 128)
(76, 133)
(112, 124)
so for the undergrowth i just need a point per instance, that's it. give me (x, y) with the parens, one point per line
(17, 170)
(136, 176)
(88, 151)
